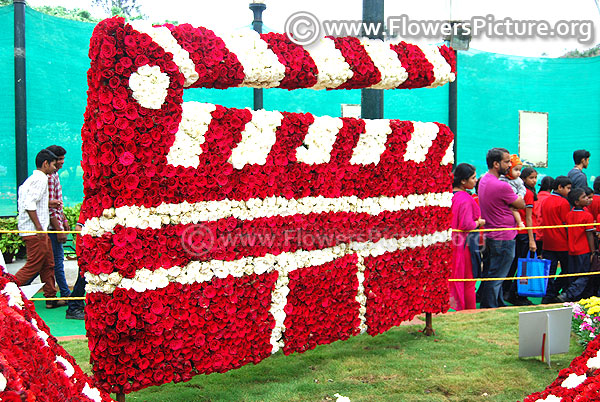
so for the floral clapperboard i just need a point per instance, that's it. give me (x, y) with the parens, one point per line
(215, 236)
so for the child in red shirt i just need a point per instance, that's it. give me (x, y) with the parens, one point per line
(581, 245)
(554, 212)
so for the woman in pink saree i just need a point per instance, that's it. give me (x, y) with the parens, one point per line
(465, 216)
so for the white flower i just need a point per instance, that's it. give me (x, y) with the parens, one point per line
(333, 70)
(449, 155)
(387, 62)
(573, 380)
(13, 293)
(92, 393)
(257, 139)
(319, 140)
(550, 398)
(420, 141)
(341, 398)
(594, 363)
(3, 382)
(69, 370)
(149, 86)
(442, 71)
(371, 143)
(262, 68)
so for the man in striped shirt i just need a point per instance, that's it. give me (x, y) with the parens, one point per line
(33, 203)
(58, 221)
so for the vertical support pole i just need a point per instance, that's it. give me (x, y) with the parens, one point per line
(371, 100)
(453, 110)
(120, 397)
(257, 24)
(20, 92)
(428, 331)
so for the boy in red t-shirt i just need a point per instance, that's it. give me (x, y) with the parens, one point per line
(581, 245)
(554, 212)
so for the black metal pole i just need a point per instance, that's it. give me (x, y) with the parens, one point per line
(20, 93)
(257, 24)
(453, 110)
(371, 100)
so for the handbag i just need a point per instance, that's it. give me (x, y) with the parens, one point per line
(535, 287)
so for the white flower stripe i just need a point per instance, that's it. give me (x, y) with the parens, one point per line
(149, 86)
(448, 157)
(420, 141)
(262, 68)
(13, 293)
(371, 143)
(206, 211)
(550, 398)
(442, 71)
(92, 393)
(573, 380)
(69, 370)
(333, 69)
(204, 271)
(258, 138)
(319, 140)
(163, 37)
(3, 382)
(393, 74)
(361, 298)
(187, 147)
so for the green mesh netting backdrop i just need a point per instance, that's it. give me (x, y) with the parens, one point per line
(492, 88)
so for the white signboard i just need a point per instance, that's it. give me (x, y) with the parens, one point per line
(545, 332)
(533, 138)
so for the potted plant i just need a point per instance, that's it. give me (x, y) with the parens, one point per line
(10, 243)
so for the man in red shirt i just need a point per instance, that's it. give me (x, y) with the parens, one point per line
(554, 212)
(581, 245)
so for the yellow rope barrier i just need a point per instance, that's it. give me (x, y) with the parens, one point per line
(526, 228)
(514, 278)
(56, 298)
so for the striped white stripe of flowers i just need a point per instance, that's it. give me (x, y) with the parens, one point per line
(318, 142)
(3, 382)
(448, 157)
(442, 71)
(189, 138)
(258, 138)
(205, 211)
(420, 141)
(163, 37)
(393, 74)
(361, 298)
(371, 143)
(262, 68)
(333, 70)
(284, 263)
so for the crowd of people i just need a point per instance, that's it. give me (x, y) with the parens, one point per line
(40, 205)
(505, 200)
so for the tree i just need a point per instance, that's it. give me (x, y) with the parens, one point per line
(574, 54)
(125, 8)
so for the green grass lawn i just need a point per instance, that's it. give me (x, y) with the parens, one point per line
(472, 357)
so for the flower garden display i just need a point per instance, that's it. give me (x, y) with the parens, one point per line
(215, 236)
(33, 367)
(580, 382)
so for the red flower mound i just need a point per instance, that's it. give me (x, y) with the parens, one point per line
(588, 389)
(34, 366)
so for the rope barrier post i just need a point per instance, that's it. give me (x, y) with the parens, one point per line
(120, 397)
(428, 331)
